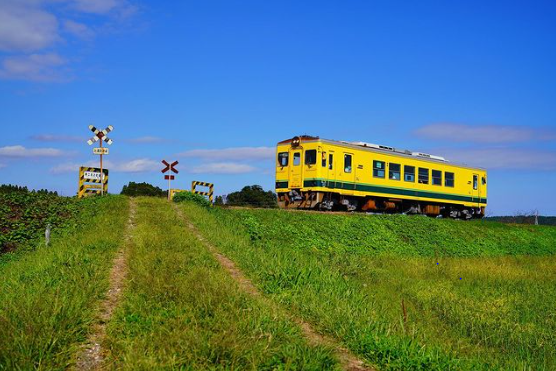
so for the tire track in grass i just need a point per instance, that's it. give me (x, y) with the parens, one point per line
(92, 357)
(347, 360)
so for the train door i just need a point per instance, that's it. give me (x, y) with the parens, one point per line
(348, 171)
(296, 168)
(476, 194)
(331, 171)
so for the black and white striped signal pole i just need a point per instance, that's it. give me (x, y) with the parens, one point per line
(100, 135)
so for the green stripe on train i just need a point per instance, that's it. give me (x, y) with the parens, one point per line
(388, 190)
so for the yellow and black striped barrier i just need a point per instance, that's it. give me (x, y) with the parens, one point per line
(195, 184)
(90, 182)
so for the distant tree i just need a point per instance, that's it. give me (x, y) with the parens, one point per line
(254, 196)
(142, 189)
(9, 188)
(219, 201)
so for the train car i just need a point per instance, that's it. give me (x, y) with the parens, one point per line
(315, 173)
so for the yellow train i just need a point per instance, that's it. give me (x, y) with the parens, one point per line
(314, 173)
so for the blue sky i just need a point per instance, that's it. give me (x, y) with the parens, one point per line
(215, 84)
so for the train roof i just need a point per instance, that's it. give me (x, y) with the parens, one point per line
(382, 149)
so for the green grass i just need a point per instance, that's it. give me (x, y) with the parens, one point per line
(48, 295)
(347, 275)
(181, 310)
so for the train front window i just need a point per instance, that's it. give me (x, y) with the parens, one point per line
(448, 179)
(323, 159)
(475, 182)
(330, 161)
(296, 158)
(409, 173)
(394, 172)
(347, 163)
(378, 169)
(436, 177)
(423, 175)
(483, 180)
(283, 159)
(310, 157)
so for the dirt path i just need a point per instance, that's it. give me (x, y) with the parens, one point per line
(347, 360)
(92, 357)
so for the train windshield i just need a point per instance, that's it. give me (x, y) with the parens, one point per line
(283, 159)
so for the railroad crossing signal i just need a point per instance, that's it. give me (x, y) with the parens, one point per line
(170, 166)
(169, 177)
(100, 136)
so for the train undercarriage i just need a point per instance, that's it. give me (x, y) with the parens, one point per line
(330, 201)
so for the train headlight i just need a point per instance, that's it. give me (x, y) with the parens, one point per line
(296, 141)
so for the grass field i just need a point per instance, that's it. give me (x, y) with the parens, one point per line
(48, 295)
(401, 293)
(487, 304)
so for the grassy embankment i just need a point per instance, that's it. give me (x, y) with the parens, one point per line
(181, 310)
(48, 295)
(477, 295)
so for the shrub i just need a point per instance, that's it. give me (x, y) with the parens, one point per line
(142, 189)
(252, 196)
(191, 197)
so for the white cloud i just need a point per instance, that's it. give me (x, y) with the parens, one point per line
(223, 168)
(226, 154)
(141, 165)
(146, 139)
(504, 158)
(483, 133)
(34, 67)
(25, 27)
(30, 31)
(78, 29)
(57, 138)
(22, 152)
(70, 167)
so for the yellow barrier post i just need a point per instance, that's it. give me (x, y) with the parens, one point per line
(209, 194)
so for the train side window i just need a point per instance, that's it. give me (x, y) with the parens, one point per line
(448, 179)
(296, 158)
(394, 171)
(437, 177)
(475, 182)
(423, 175)
(310, 157)
(347, 163)
(324, 159)
(409, 173)
(330, 161)
(283, 159)
(378, 169)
